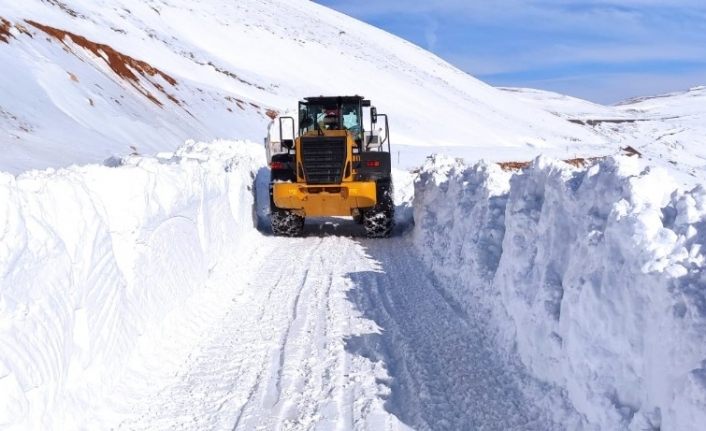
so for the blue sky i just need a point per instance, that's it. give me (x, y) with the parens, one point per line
(603, 51)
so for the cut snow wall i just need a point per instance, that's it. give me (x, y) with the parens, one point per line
(594, 277)
(91, 257)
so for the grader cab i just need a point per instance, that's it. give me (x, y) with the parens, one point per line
(332, 166)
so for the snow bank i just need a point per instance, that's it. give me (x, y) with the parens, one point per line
(92, 257)
(593, 277)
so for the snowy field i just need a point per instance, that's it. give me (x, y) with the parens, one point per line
(140, 288)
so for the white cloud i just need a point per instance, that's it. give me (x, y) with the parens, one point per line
(431, 34)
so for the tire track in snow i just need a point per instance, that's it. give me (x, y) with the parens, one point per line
(304, 357)
(310, 386)
(225, 372)
(445, 373)
(268, 383)
(276, 393)
(276, 359)
(339, 333)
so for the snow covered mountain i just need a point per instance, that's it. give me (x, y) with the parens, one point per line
(670, 129)
(84, 80)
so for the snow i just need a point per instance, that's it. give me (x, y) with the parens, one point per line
(141, 297)
(594, 277)
(232, 62)
(92, 257)
(667, 129)
(137, 293)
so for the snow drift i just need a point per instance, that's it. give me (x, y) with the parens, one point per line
(92, 257)
(593, 276)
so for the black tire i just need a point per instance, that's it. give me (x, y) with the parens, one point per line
(286, 223)
(379, 220)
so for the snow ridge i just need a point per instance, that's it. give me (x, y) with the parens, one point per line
(593, 276)
(92, 257)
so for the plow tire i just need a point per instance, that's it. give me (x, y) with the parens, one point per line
(378, 224)
(286, 223)
(379, 220)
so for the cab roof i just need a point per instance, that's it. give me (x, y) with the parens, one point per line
(334, 99)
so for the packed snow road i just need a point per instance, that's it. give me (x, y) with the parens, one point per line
(330, 332)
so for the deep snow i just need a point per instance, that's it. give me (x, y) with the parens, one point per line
(92, 258)
(156, 304)
(594, 277)
(553, 297)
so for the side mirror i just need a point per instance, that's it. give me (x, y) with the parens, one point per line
(288, 143)
(374, 114)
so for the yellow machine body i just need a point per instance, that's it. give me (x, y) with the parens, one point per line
(309, 200)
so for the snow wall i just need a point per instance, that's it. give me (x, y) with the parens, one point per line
(594, 277)
(91, 257)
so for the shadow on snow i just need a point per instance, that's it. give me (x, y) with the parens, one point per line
(444, 370)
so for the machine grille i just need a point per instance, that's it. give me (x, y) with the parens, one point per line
(324, 159)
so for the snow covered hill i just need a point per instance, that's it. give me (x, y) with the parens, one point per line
(670, 130)
(83, 80)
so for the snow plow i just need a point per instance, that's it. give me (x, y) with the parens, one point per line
(325, 164)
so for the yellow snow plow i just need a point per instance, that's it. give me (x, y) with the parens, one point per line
(332, 166)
